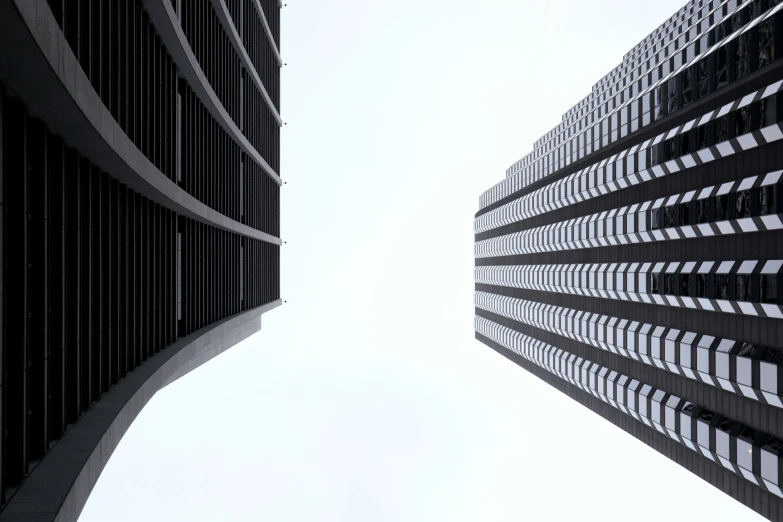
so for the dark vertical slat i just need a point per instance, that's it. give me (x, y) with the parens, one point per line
(107, 280)
(3, 209)
(36, 290)
(72, 285)
(136, 323)
(85, 286)
(56, 352)
(96, 321)
(117, 274)
(122, 280)
(15, 273)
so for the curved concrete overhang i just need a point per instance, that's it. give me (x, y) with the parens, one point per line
(228, 25)
(269, 29)
(38, 64)
(58, 487)
(165, 21)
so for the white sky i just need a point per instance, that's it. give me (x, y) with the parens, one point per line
(366, 398)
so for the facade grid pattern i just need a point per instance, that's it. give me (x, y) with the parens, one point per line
(127, 248)
(633, 259)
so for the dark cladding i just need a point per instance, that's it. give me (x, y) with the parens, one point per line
(633, 259)
(140, 189)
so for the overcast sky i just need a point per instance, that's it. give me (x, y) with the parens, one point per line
(365, 397)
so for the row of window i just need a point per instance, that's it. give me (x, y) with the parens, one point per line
(754, 116)
(748, 52)
(732, 441)
(752, 51)
(753, 365)
(754, 288)
(759, 201)
(734, 124)
(758, 288)
(754, 202)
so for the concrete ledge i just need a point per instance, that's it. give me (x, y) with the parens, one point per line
(58, 487)
(166, 23)
(38, 64)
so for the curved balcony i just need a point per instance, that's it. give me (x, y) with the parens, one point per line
(41, 67)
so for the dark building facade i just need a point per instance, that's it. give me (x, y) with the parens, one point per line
(140, 185)
(632, 260)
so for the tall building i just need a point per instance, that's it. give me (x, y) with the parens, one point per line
(632, 260)
(140, 185)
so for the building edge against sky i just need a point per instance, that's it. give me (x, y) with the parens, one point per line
(632, 260)
(140, 183)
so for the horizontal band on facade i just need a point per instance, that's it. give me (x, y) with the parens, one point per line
(761, 501)
(58, 487)
(645, 282)
(44, 72)
(754, 329)
(716, 211)
(643, 163)
(748, 370)
(755, 245)
(756, 161)
(165, 21)
(717, 399)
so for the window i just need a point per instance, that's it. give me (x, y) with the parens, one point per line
(655, 219)
(742, 287)
(721, 129)
(704, 77)
(768, 284)
(742, 56)
(704, 136)
(721, 286)
(685, 280)
(670, 284)
(702, 210)
(670, 149)
(742, 204)
(659, 106)
(685, 143)
(646, 108)
(703, 428)
(670, 216)
(654, 155)
(619, 172)
(701, 285)
(745, 448)
(687, 86)
(654, 281)
(742, 121)
(766, 42)
(674, 102)
(721, 67)
(722, 207)
(722, 437)
(767, 200)
(685, 214)
(768, 113)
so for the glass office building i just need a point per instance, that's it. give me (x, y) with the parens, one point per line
(140, 185)
(632, 260)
